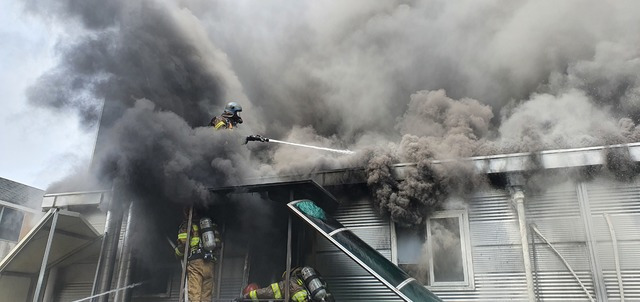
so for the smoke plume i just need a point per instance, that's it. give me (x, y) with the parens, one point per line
(397, 81)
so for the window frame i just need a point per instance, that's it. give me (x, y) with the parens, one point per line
(2, 217)
(465, 242)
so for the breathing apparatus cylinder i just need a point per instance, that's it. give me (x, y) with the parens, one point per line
(207, 234)
(314, 284)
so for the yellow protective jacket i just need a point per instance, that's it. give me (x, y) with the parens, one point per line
(276, 291)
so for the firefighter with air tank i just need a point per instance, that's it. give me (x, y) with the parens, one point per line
(305, 284)
(204, 242)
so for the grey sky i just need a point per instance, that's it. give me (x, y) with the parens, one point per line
(39, 145)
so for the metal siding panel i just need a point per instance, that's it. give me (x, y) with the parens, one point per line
(497, 259)
(631, 284)
(558, 230)
(490, 287)
(231, 279)
(73, 291)
(606, 196)
(364, 288)
(358, 214)
(562, 286)
(492, 206)
(488, 233)
(626, 227)
(576, 254)
(560, 201)
(629, 254)
(346, 279)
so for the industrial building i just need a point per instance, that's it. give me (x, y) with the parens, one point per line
(571, 238)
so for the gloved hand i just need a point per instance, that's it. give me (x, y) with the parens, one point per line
(255, 138)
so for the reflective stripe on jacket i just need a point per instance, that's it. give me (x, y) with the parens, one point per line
(182, 238)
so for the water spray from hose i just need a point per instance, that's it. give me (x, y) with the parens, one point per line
(259, 138)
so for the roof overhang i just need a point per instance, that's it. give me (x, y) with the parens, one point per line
(501, 163)
(286, 191)
(72, 233)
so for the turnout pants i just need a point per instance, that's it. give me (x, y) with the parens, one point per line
(200, 280)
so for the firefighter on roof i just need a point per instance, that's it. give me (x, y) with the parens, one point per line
(229, 118)
(204, 244)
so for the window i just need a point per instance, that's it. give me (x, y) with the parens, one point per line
(437, 254)
(10, 223)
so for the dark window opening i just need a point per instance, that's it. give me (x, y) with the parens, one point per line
(10, 223)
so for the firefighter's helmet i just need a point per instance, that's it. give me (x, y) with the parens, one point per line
(232, 108)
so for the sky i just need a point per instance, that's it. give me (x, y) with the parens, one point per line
(39, 146)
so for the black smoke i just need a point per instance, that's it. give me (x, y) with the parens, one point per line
(413, 80)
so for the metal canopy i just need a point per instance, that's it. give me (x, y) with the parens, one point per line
(363, 254)
(72, 233)
(280, 191)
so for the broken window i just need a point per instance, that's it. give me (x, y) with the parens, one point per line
(437, 254)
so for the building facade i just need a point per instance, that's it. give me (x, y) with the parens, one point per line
(568, 238)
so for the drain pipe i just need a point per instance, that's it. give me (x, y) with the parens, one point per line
(126, 260)
(108, 250)
(517, 197)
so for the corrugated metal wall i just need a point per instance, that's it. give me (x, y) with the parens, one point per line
(556, 213)
(622, 202)
(346, 279)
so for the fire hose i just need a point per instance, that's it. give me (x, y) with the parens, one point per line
(262, 139)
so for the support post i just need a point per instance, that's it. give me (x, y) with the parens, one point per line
(126, 260)
(287, 292)
(518, 201)
(108, 250)
(45, 258)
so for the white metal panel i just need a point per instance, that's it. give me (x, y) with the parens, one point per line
(562, 286)
(491, 206)
(497, 259)
(489, 233)
(607, 196)
(358, 214)
(629, 253)
(559, 230)
(576, 255)
(626, 226)
(631, 284)
(490, 287)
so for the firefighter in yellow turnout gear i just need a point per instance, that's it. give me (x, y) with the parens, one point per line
(304, 285)
(229, 119)
(201, 258)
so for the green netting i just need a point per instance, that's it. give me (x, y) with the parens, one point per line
(311, 209)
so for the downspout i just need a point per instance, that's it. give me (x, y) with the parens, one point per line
(108, 251)
(126, 260)
(518, 202)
